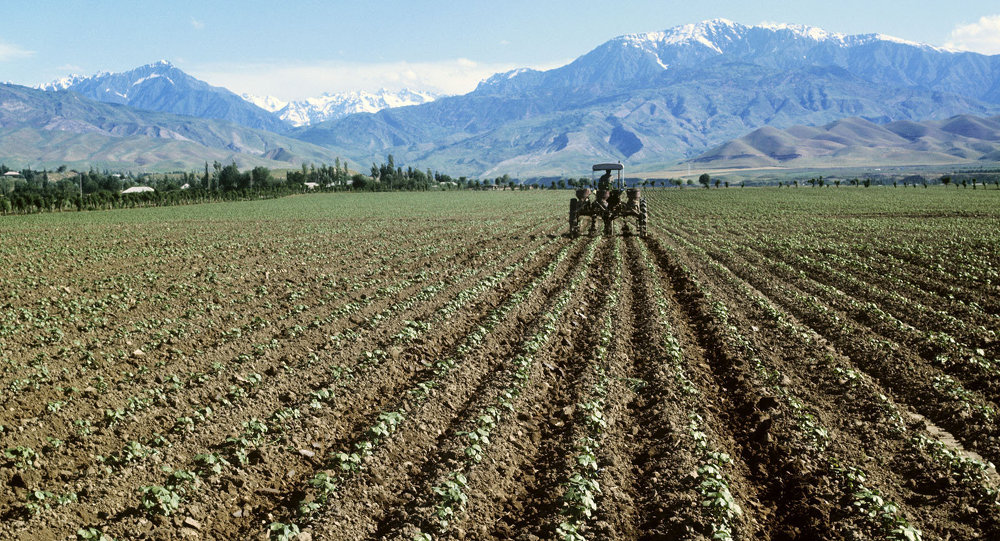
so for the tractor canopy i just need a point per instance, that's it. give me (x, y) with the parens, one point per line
(608, 167)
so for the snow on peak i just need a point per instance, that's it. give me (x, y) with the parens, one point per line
(805, 31)
(153, 76)
(501, 77)
(515, 72)
(330, 106)
(62, 83)
(65, 82)
(901, 41)
(267, 103)
(716, 34)
(710, 34)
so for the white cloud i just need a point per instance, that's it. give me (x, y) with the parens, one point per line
(198, 25)
(13, 52)
(299, 81)
(982, 36)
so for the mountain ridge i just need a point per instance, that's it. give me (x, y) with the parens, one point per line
(162, 87)
(961, 138)
(660, 97)
(45, 128)
(651, 99)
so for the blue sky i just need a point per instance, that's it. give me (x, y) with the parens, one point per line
(297, 49)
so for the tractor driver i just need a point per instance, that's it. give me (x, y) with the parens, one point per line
(604, 183)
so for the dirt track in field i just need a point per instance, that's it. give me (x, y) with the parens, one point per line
(463, 384)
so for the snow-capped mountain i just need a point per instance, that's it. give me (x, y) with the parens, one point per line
(162, 87)
(51, 128)
(331, 106)
(649, 98)
(657, 97)
(653, 56)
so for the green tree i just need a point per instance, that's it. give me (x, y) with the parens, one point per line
(230, 177)
(260, 177)
(705, 179)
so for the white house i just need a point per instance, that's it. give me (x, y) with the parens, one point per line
(138, 189)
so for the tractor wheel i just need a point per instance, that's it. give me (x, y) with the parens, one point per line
(574, 217)
(643, 217)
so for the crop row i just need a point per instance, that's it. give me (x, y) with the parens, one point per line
(851, 388)
(343, 465)
(242, 392)
(256, 432)
(513, 377)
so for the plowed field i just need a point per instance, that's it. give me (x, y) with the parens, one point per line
(766, 364)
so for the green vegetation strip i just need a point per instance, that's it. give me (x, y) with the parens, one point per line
(449, 494)
(582, 489)
(718, 506)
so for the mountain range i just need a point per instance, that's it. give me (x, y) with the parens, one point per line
(164, 88)
(49, 128)
(655, 98)
(649, 100)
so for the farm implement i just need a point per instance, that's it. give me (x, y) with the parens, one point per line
(608, 204)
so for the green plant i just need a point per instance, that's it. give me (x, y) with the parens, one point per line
(41, 500)
(159, 499)
(22, 456)
(280, 531)
(451, 499)
(580, 497)
(569, 531)
(92, 534)
(211, 463)
(347, 462)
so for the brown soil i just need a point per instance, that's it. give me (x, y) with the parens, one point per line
(779, 366)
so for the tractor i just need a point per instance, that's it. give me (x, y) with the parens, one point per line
(608, 204)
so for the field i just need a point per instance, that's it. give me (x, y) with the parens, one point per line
(812, 363)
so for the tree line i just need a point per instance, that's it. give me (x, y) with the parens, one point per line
(33, 191)
(41, 191)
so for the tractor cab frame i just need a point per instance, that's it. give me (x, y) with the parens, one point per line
(608, 204)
